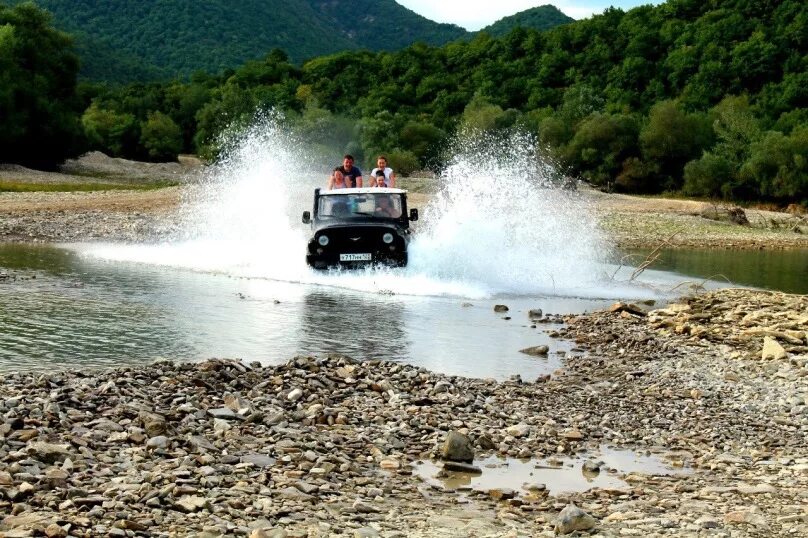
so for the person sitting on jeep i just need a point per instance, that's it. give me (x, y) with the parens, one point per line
(389, 177)
(337, 180)
(378, 180)
(353, 175)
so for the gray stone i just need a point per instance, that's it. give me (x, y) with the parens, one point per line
(48, 452)
(572, 519)
(192, 503)
(200, 442)
(536, 351)
(457, 447)
(223, 413)
(259, 460)
(160, 441)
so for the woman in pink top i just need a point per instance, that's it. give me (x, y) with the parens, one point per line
(337, 180)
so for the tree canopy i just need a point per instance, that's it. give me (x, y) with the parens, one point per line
(38, 103)
(705, 97)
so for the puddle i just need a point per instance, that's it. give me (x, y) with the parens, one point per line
(555, 475)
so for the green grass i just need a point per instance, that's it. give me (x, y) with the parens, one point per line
(23, 186)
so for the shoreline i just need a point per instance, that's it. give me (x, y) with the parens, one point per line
(326, 446)
(628, 222)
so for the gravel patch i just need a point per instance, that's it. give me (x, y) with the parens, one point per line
(325, 446)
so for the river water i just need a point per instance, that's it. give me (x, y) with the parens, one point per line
(235, 283)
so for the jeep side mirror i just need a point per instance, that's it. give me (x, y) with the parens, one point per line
(413, 214)
(306, 217)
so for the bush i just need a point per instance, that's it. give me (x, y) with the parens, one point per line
(705, 176)
(403, 162)
(109, 131)
(161, 137)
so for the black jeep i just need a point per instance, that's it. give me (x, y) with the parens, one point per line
(357, 227)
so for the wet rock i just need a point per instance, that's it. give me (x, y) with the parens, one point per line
(460, 467)
(633, 309)
(457, 447)
(590, 466)
(535, 313)
(536, 351)
(572, 519)
(499, 308)
(501, 494)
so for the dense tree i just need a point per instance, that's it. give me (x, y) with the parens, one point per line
(111, 132)
(161, 137)
(38, 104)
(709, 97)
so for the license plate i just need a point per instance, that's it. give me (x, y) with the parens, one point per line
(365, 257)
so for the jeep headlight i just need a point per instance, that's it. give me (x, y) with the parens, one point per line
(387, 238)
(323, 240)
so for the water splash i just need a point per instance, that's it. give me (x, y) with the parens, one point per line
(497, 225)
(501, 218)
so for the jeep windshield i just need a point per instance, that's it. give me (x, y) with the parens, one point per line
(359, 206)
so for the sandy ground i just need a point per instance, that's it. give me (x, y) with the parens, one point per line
(630, 221)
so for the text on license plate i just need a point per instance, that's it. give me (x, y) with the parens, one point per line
(365, 257)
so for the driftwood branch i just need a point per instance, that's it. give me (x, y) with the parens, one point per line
(653, 256)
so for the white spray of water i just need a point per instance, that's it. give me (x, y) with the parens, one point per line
(492, 228)
(501, 219)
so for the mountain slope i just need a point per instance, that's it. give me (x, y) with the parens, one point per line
(537, 18)
(178, 37)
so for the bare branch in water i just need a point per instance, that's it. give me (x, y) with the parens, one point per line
(653, 256)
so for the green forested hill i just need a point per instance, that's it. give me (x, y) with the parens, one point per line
(537, 18)
(708, 98)
(178, 37)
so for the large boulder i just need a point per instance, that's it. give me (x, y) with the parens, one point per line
(457, 447)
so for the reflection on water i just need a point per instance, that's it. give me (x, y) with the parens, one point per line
(777, 270)
(59, 309)
(554, 476)
(354, 325)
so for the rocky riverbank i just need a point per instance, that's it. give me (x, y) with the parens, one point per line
(715, 385)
